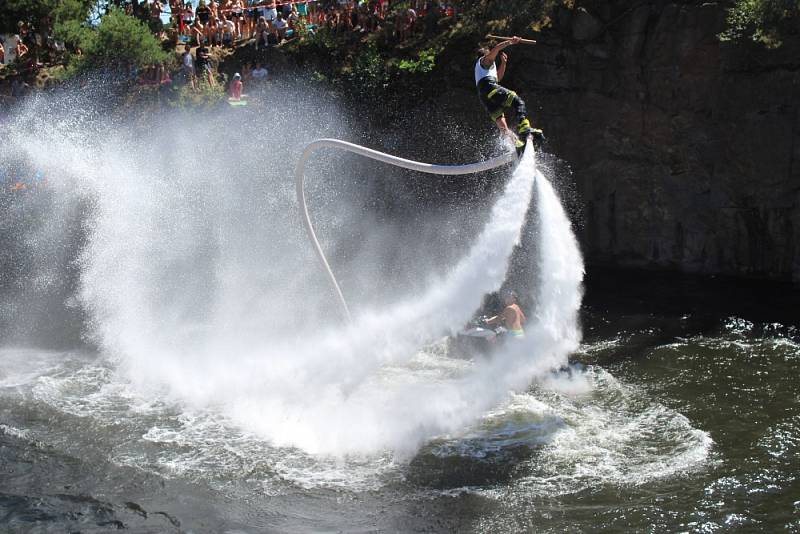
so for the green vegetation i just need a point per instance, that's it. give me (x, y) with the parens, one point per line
(206, 96)
(763, 21)
(425, 63)
(116, 41)
(379, 62)
(58, 11)
(367, 70)
(120, 41)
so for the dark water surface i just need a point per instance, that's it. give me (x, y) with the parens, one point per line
(680, 413)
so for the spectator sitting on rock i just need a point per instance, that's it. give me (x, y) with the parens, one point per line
(164, 78)
(273, 38)
(405, 21)
(262, 33)
(227, 30)
(20, 50)
(281, 27)
(27, 35)
(293, 15)
(411, 19)
(295, 23)
(198, 32)
(28, 38)
(260, 73)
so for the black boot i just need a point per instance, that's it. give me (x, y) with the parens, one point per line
(525, 132)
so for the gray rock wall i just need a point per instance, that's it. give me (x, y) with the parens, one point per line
(686, 150)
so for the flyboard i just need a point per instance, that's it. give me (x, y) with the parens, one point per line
(445, 170)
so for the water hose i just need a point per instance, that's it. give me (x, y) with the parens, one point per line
(299, 176)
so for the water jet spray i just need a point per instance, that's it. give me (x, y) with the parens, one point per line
(445, 170)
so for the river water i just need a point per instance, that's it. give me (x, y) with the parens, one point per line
(154, 378)
(671, 416)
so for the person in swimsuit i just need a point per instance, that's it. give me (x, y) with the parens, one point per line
(512, 316)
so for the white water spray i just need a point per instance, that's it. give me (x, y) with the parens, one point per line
(191, 303)
(554, 332)
(367, 407)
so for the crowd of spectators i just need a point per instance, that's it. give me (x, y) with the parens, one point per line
(23, 46)
(269, 22)
(257, 23)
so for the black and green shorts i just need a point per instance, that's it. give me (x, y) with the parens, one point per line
(497, 99)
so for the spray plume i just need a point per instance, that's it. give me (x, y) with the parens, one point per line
(197, 309)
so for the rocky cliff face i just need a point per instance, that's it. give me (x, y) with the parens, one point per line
(686, 151)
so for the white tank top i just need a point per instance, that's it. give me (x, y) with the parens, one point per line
(481, 73)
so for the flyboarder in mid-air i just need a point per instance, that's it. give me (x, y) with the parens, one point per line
(497, 98)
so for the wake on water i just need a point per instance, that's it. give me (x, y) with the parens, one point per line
(193, 308)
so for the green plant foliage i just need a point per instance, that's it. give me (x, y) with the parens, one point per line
(367, 72)
(764, 21)
(121, 41)
(206, 96)
(72, 32)
(34, 11)
(425, 63)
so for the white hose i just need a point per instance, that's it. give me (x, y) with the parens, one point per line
(450, 170)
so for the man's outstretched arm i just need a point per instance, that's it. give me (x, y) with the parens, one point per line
(488, 59)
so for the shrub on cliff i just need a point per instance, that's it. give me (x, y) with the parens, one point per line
(120, 42)
(36, 11)
(764, 21)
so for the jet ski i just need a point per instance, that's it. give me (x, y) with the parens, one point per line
(478, 339)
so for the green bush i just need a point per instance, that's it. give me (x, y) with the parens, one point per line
(205, 97)
(367, 70)
(121, 41)
(764, 21)
(425, 63)
(33, 11)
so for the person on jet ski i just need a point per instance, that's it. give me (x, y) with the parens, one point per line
(512, 316)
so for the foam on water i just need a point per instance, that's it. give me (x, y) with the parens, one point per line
(21, 366)
(582, 428)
